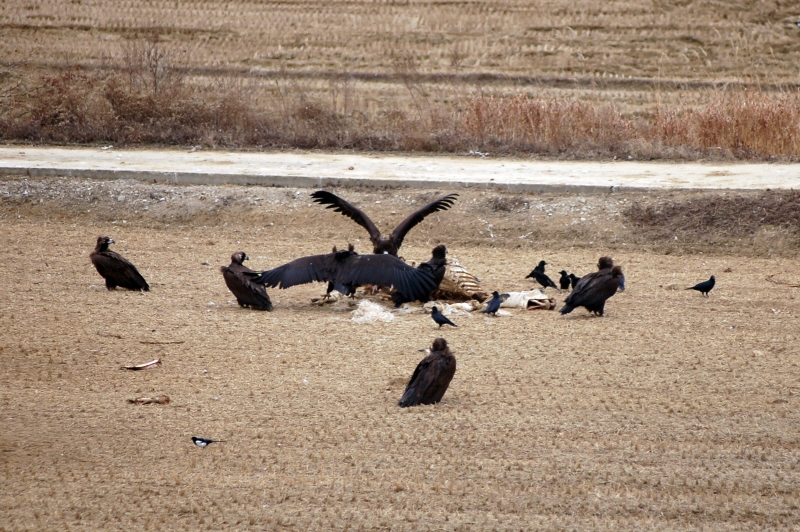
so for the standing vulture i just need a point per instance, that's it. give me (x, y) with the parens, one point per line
(431, 378)
(239, 279)
(380, 244)
(346, 270)
(114, 268)
(593, 290)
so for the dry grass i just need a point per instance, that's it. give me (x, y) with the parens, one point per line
(673, 412)
(588, 79)
(710, 220)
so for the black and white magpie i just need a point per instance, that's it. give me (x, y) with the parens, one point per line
(202, 442)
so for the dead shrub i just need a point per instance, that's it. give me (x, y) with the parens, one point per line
(546, 126)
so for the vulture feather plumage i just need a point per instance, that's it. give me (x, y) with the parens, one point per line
(346, 270)
(431, 377)
(115, 269)
(380, 244)
(240, 280)
(593, 290)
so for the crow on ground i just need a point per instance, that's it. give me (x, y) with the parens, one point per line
(704, 287)
(493, 305)
(564, 280)
(440, 318)
(573, 280)
(539, 276)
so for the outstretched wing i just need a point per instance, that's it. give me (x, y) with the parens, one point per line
(119, 271)
(357, 215)
(387, 270)
(441, 204)
(304, 270)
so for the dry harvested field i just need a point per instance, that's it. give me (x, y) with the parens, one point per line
(672, 412)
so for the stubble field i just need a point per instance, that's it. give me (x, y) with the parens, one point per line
(672, 412)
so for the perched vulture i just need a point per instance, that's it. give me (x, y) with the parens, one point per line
(539, 276)
(593, 290)
(115, 269)
(431, 378)
(704, 287)
(346, 270)
(239, 279)
(380, 244)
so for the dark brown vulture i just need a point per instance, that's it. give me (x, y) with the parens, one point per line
(346, 270)
(431, 378)
(593, 290)
(239, 279)
(380, 244)
(114, 268)
(437, 267)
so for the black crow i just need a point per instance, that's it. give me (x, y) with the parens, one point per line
(573, 280)
(704, 287)
(440, 318)
(239, 279)
(593, 290)
(539, 276)
(115, 269)
(494, 304)
(203, 442)
(346, 270)
(431, 377)
(380, 244)
(564, 280)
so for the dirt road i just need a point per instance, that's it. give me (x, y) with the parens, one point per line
(317, 169)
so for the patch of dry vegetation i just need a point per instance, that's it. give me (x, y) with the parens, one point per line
(150, 103)
(589, 79)
(712, 219)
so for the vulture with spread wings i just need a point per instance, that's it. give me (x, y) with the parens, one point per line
(115, 269)
(346, 270)
(380, 244)
(239, 279)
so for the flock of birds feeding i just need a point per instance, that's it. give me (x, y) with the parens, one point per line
(345, 271)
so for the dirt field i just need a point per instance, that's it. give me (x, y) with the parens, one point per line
(672, 412)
